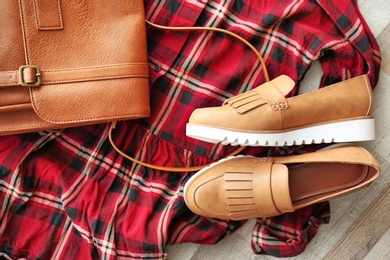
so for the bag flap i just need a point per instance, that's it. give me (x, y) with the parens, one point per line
(92, 58)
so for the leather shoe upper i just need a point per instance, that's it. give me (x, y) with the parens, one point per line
(248, 187)
(265, 108)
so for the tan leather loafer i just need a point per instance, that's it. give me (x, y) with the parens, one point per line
(264, 117)
(246, 187)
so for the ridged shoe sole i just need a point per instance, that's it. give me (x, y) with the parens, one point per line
(341, 131)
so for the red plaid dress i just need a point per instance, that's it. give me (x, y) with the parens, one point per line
(67, 194)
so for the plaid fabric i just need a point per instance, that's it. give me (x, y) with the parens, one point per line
(68, 195)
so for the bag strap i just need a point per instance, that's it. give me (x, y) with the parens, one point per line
(193, 168)
(158, 167)
(172, 28)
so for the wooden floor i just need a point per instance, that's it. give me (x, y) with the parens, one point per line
(360, 223)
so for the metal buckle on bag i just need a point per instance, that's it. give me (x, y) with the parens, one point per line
(38, 75)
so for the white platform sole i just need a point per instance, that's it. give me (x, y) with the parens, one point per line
(344, 131)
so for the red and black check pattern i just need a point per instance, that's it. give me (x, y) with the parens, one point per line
(68, 195)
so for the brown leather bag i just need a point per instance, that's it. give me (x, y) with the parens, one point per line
(71, 63)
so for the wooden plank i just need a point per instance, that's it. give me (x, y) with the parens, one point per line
(376, 14)
(231, 247)
(382, 119)
(182, 251)
(381, 249)
(366, 231)
(384, 44)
